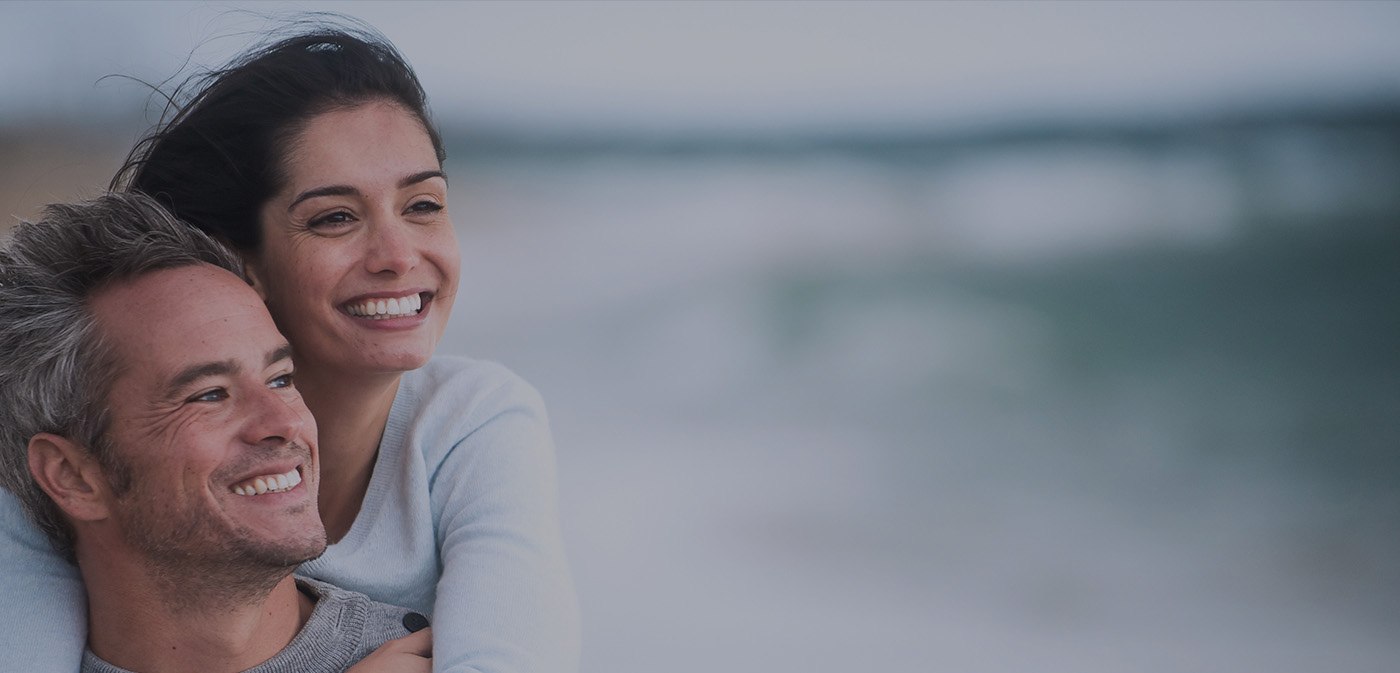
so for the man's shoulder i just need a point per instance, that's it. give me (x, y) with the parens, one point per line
(345, 626)
(360, 616)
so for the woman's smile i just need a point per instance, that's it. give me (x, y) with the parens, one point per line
(391, 311)
(384, 308)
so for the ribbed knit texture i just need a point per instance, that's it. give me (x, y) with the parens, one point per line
(343, 628)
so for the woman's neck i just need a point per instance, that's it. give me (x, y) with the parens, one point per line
(351, 412)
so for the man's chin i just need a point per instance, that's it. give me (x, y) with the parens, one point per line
(251, 562)
(291, 554)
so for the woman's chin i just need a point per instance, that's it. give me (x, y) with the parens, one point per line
(372, 362)
(398, 363)
(385, 351)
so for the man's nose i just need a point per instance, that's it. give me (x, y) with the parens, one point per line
(274, 416)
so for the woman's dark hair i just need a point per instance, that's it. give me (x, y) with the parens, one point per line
(218, 154)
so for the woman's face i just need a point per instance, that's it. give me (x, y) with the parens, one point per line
(359, 262)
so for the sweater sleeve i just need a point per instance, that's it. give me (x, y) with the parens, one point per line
(505, 601)
(44, 606)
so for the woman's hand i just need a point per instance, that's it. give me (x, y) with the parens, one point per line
(412, 653)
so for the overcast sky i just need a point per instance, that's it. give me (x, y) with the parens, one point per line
(722, 65)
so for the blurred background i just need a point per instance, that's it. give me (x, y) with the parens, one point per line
(898, 336)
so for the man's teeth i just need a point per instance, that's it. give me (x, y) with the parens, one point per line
(380, 309)
(271, 483)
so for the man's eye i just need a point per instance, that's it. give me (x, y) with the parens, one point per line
(283, 381)
(212, 395)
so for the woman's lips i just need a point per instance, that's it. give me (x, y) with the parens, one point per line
(385, 308)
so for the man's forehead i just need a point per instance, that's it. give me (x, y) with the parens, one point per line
(180, 284)
(166, 320)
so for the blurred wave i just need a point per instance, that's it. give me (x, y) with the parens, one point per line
(1071, 397)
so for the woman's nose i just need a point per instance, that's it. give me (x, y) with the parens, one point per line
(392, 247)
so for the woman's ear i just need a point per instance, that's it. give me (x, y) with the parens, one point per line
(253, 271)
(71, 476)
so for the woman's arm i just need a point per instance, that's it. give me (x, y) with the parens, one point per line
(505, 601)
(42, 601)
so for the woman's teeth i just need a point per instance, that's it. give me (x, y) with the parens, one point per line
(271, 483)
(379, 309)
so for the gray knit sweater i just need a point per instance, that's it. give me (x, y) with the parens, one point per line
(344, 628)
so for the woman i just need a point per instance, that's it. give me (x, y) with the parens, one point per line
(315, 158)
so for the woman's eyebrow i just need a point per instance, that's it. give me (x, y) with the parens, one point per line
(331, 190)
(347, 190)
(421, 176)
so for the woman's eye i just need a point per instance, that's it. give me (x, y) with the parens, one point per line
(425, 206)
(211, 395)
(330, 220)
(283, 381)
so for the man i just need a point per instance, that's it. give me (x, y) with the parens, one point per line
(149, 426)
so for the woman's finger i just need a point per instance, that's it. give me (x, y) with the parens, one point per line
(410, 654)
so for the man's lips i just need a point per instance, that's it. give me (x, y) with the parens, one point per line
(269, 483)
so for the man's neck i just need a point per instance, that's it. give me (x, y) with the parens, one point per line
(133, 624)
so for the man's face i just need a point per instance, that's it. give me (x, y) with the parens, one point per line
(205, 418)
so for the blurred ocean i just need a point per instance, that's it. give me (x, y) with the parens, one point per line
(1076, 398)
(1070, 397)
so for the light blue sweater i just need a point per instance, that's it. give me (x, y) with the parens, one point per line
(460, 522)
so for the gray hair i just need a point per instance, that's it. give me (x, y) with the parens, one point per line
(55, 369)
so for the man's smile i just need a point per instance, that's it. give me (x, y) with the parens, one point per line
(270, 483)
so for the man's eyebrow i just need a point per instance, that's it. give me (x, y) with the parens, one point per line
(194, 373)
(329, 190)
(283, 352)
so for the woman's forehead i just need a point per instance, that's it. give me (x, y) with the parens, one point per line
(377, 141)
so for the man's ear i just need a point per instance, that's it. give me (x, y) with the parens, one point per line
(71, 476)
(252, 270)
